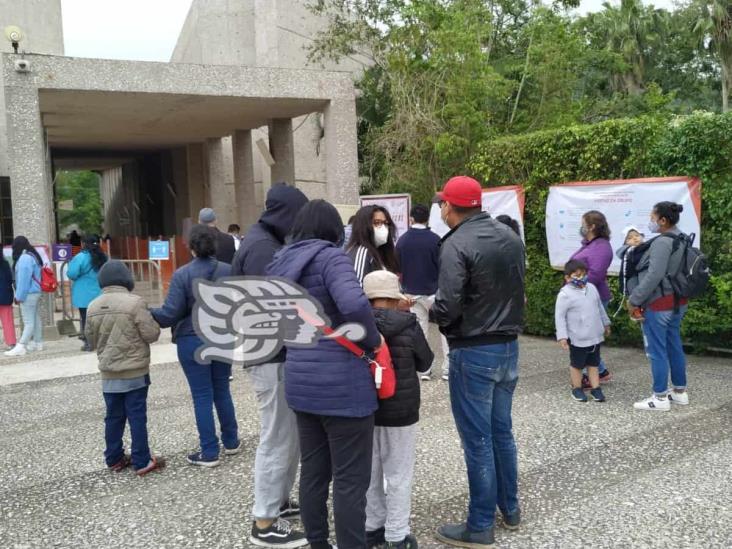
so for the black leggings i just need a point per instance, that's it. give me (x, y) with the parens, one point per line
(82, 316)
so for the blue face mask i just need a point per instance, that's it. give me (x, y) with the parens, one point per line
(653, 227)
(583, 231)
(579, 282)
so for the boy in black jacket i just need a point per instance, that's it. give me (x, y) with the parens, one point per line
(389, 496)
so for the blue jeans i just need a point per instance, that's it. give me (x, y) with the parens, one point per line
(123, 408)
(209, 385)
(482, 382)
(662, 339)
(30, 312)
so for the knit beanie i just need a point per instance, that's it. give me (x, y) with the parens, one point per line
(115, 273)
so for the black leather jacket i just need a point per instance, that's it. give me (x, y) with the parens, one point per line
(480, 298)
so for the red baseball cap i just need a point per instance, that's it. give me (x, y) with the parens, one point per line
(462, 190)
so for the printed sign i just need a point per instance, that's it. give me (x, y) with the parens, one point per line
(398, 206)
(159, 250)
(496, 201)
(61, 252)
(624, 202)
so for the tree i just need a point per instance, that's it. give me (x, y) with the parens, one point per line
(714, 29)
(629, 32)
(83, 189)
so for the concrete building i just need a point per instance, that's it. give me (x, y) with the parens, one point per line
(233, 111)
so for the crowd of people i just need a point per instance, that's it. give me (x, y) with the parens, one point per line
(318, 406)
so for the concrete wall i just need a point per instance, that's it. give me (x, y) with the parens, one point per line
(40, 21)
(266, 33)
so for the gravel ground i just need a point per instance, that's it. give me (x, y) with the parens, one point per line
(600, 475)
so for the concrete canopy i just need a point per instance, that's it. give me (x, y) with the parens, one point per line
(91, 108)
(135, 120)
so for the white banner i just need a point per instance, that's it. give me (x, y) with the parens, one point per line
(624, 203)
(398, 206)
(496, 201)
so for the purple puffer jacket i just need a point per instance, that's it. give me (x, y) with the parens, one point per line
(328, 379)
(597, 254)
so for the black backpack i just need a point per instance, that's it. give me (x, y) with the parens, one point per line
(691, 279)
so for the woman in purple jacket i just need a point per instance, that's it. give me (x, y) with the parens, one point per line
(597, 253)
(329, 388)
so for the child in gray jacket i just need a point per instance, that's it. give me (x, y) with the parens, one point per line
(582, 325)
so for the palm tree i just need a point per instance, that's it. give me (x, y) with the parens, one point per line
(714, 28)
(630, 30)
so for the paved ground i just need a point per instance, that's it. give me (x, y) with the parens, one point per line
(599, 475)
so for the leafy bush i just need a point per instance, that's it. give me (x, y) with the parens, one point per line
(695, 145)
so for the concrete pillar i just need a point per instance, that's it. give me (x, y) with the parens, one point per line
(30, 182)
(341, 149)
(196, 179)
(282, 148)
(221, 181)
(244, 177)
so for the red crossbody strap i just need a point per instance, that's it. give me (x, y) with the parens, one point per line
(327, 330)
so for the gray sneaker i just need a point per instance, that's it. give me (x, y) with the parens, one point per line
(458, 535)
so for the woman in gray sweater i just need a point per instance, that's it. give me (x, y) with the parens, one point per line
(653, 298)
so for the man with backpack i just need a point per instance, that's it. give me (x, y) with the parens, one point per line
(669, 272)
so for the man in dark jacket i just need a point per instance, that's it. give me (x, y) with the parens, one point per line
(479, 307)
(278, 453)
(395, 431)
(225, 247)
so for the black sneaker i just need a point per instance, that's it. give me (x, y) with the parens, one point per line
(458, 535)
(198, 459)
(512, 521)
(606, 377)
(579, 395)
(290, 509)
(278, 534)
(375, 538)
(598, 395)
(409, 542)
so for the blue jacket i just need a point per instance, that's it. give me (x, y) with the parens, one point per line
(327, 379)
(6, 283)
(419, 256)
(178, 306)
(27, 276)
(86, 286)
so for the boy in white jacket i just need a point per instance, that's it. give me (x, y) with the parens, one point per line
(582, 325)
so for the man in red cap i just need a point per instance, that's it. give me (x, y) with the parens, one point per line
(479, 307)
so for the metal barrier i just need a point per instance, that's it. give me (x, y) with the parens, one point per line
(148, 285)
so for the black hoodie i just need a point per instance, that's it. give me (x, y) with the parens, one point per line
(410, 354)
(267, 236)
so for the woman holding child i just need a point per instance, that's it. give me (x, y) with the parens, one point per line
(652, 299)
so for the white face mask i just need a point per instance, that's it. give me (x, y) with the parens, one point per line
(381, 235)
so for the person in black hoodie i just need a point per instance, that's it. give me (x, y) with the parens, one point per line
(395, 431)
(278, 453)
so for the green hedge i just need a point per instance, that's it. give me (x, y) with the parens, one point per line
(696, 145)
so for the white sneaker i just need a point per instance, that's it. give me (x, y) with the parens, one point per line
(425, 376)
(653, 403)
(18, 350)
(33, 346)
(679, 398)
(445, 377)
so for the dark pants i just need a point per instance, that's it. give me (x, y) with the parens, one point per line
(337, 448)
(82, 321)
(210, 388)
(122, 408)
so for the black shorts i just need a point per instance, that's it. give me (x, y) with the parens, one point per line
(581, 357)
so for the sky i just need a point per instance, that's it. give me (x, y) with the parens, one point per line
(140, 30)
(147, 30)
